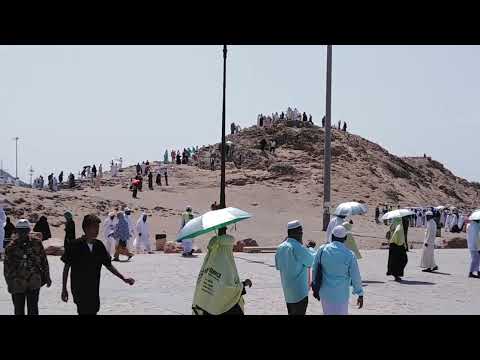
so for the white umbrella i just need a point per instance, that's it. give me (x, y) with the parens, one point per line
(351, 208)
(475, 215)
(211, 221)
(397, 214)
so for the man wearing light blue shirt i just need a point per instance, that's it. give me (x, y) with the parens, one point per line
(339, 271)
(293, 260)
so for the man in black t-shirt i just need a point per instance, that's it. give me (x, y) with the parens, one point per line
(86, 256)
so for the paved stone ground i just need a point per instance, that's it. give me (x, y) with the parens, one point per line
(165, 285)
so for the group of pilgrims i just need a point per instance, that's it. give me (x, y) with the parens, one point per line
(289, 115)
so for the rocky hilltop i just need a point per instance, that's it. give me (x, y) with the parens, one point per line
(360, 168)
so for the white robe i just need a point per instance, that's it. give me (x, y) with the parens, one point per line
(131, 229)
(443, 218)
(461, 221)
(142, 240)
(473, 236)
(453, 220)
(108, 229)
(331, 225)
(447, 222)
(100, 171)
(428, 260)
(3, 220)
(419, 220)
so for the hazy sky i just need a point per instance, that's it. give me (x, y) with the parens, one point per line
(78, 105)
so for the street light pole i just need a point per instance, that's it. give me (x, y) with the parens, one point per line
(16, 157)
(222, 172)
(327, 152)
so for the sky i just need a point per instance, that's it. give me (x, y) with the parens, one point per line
(78, 105)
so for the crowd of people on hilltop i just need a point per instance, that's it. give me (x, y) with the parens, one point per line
(289, 115)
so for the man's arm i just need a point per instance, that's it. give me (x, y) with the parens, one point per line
(115, 272)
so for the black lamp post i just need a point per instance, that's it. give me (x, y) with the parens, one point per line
(222, 171)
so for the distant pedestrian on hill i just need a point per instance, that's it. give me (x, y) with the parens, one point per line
(323, 122)
(85, 257)
(150, 181)
(60, 178)
(173, 156)
(232, 128)
(294, 261)
(179, 160)
(134, 188)
(94, 171)
(304, 117)
(345, 126)
(69, 228)
(212, 161)
(377, 215)
(166, 177)
(138, 168)
(42, 227)
(263, 144)
(273, 145)
(310, 119)
(158, 180)
(339, 124)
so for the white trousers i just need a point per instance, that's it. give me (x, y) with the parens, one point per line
(187, 245)
(334, 308)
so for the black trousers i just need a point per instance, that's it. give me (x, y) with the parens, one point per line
(299, 308)
(32, 302)
(87, 309)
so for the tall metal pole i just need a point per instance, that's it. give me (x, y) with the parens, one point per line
(16, 157)
(222, 171)
(327, 152)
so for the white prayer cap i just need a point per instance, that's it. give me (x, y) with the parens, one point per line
(189, 208)
(128, 209)
(339, 232)
(111, 213)
(429, 213)
(23, 224)
(294, 224)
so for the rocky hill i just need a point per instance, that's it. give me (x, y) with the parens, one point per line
(361, 169)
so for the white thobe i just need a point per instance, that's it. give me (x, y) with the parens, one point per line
(428, 260)
(461, 221)
(108, 230)
(442, 218)
(453, 220)
(143, 236)
(100, 171)
(335, 221)
(419, 220)
(131, 229)
(3, 220)
(447, 222)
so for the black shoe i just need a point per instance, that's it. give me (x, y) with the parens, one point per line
(427, 270)
(398, 278)
(472, 275)
(435, 268)
(129, 257)
(116, 259)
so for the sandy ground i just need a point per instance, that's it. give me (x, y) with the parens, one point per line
(165, 285)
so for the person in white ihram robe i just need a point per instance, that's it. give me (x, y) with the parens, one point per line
(143, 235)
(447, 222)
(419, 219)
(100, 171)
(453, 220)
(443, 218)
(335, 221)
(109, 225)
(428, 260)
(461, 221)
(131, 229)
